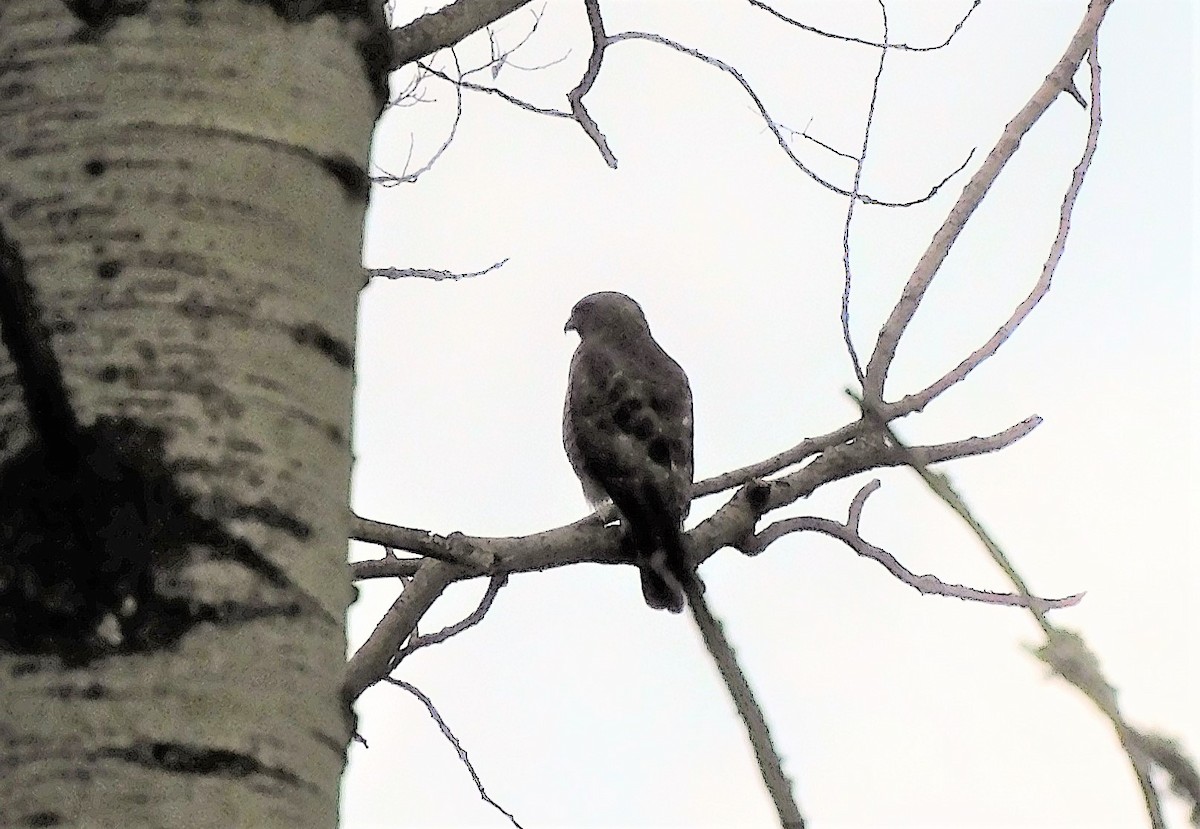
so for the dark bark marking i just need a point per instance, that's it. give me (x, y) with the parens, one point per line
(38, 371)
(109, 269)
(92, 691)
(350, 175)
(266, 513)
(98, 16)
(316, 336)
(24, 668)
(89, 515)
(186, 758)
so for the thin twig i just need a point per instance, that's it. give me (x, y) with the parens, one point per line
(429, 273)
(780, 138)
(500, 93)
(449, 735)
(416, 642)
(758, 4)
(390, 180)
(499, 58)
(858, 169)
(799, 453)
(540, 66)
(804, 134)
(408, 95)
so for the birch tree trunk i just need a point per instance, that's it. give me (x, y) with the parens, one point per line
(183, 188)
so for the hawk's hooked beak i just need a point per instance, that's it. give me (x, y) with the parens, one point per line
(571, 325)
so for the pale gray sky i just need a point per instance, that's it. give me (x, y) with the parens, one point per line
(577, 704)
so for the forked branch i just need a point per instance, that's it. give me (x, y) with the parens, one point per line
(1058, 81)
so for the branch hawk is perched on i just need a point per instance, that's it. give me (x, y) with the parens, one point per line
(627, 429)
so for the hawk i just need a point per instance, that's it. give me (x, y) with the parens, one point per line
(627, 429)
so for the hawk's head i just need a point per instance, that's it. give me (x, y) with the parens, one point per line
(607, 313)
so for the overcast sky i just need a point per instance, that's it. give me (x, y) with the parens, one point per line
(578, 705)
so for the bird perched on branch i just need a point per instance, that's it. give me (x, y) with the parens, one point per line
(627, 429)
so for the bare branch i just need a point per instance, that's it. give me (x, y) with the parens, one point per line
(446, 27)
(917, 402)
(449, 735)
(391, 180)
(579, 112)
(858, 168)
(409, 95)
(848, 534)
(429, 273)
(941, 452)
(1069, 656)
(599, 41)
(972, 195)
(416, 642)
(385, 568)
(804, 134)
(539, 66)
(500, 58)
(854, 514)
(370, 662)
(834, 460)
(770, 764)
(919, 462)
(589, 540)
(496, 62)
(1074, 92)
(780, 138)
(452, 549)
(797, 454)
(1065, 651)
(758, 4)
(1167, 755)
(500, 93)
(458, 556)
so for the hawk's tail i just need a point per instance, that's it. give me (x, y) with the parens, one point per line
(663, 559)
(660, 589)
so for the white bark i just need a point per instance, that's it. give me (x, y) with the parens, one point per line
(166, 179)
